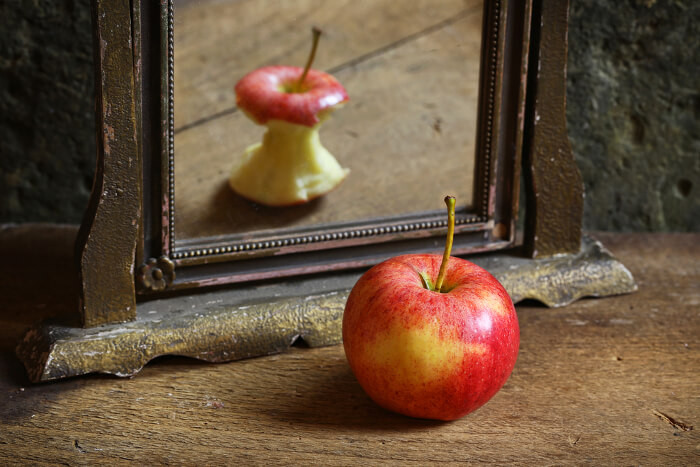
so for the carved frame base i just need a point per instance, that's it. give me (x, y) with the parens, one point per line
(227, 325)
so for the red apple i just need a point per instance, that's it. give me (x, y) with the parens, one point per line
(290, 166)
(430, 351)
(268, 94)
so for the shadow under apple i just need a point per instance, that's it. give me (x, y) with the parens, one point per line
(230, 213)
(336, 400)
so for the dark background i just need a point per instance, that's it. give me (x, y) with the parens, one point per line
(633, 108)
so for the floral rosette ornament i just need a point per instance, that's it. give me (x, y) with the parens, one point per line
(156, 274)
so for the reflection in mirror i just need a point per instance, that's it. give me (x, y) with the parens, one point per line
(411, 69)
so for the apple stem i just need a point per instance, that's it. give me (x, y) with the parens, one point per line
(316, 32)
(450, 202)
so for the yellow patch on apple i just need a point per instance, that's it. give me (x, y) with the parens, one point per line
(415, 353)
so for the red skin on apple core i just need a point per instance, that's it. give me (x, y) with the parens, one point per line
(265, 94)
(474, 329)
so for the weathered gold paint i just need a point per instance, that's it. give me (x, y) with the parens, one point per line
(211, 330)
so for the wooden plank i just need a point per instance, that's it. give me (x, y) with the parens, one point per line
(585, 390)
(407, 136)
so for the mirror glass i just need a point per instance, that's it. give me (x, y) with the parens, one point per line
(407, 134)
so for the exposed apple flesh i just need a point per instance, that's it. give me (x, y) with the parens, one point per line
(289, 167)
(428, 353)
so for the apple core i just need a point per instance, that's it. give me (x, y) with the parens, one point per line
(290, 166)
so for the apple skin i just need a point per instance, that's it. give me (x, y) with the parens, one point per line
(267, 94)
(427, 354)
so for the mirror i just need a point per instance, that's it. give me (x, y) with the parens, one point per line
(407, 134)
(435, 107)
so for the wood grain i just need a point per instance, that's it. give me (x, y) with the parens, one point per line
(588, 383)
(218, 42)
(407, 133)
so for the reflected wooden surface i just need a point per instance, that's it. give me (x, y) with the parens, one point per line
(407, 134)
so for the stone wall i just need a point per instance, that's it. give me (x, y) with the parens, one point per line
(633, 105)
(633, 112)
(47, 138)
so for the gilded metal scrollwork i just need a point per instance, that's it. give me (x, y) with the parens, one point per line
(155, 274)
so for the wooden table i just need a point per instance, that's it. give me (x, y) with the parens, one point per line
(612, 381)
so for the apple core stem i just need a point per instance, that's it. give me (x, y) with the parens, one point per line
(316, 35)
(450, 202)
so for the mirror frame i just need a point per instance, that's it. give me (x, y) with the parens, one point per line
(126, 246)
(279, 253)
